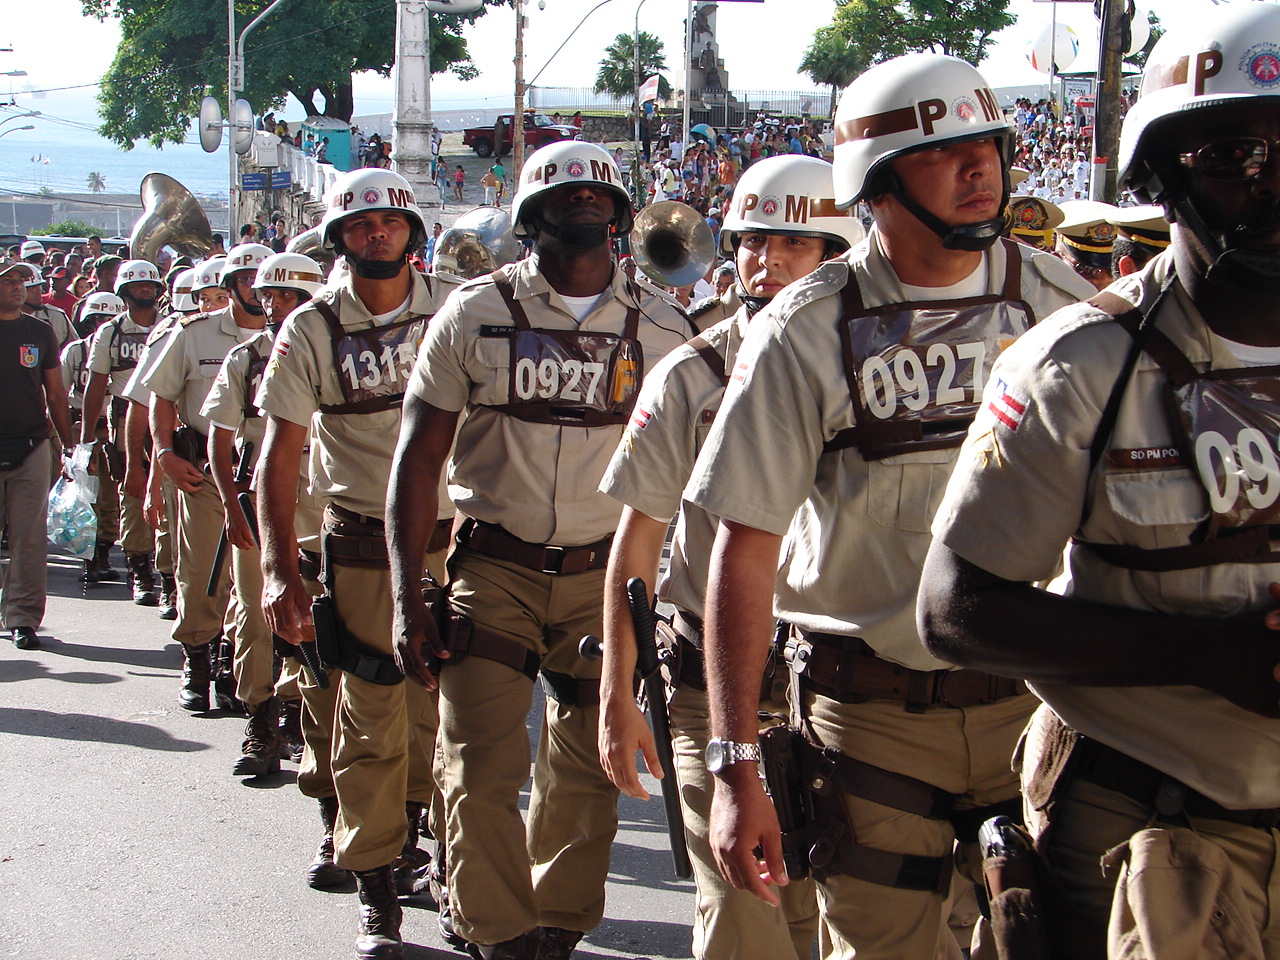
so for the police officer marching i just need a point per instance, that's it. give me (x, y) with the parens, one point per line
(236, 429)
(781, 225)
(546, 357)
(1138, 432)
(339, 369)
(116, 347)
(839, 426)
(180, 379)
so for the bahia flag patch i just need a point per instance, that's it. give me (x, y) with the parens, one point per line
(1007, 405)
(640, 418)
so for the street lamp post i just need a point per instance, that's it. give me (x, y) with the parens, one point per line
(517, 122)
(21, 116)
(235, 83)
(5, 133)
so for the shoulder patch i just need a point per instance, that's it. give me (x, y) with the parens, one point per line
(189, 320)
(704, 306)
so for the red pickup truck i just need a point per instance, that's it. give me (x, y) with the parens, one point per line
(539, 130)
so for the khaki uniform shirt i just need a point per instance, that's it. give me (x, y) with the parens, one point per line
(189, 360)
(230, 394)
(537, 480)
(350, 459)
(135, 388)
(57, 319)
(673, 416)
(856, 531)
(707, 313)
(1020, 494)
(104, 356)
(75, 374)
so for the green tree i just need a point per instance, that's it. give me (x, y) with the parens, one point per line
(68, 228)
(97, 182)
(833, 61)
(617, 73)
(172, 50)
(883, 29)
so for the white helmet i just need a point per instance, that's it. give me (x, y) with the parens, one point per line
(135, 271)
(1230, 54)
(565, 163)
(910, 103)
(366, 189)
(184, 300)
(290, 271)
(244, 256)
(104, 303)
(208, 274)
(788, 194)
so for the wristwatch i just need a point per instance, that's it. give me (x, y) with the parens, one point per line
(721, 754)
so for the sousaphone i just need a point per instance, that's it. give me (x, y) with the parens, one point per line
(672, 243)
(171, 217)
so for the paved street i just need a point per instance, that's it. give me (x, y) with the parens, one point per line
(123, 835)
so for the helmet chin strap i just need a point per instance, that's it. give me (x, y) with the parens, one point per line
(255, 309)
(974, 237)
(1228, 266)
(378, 269)
(574, 236)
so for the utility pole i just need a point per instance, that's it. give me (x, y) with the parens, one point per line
(1106, 135)
(411, 117)
(517, 122)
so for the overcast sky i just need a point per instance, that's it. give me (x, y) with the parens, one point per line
(761, 43)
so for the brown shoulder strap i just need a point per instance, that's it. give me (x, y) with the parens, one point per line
(1012, 270)
(514, 307)
(711, 357)
(330, 318)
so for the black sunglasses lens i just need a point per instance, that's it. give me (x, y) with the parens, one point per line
(1236, 159)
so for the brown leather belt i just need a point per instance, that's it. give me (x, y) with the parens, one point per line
(847, 669)
(360, 540)
(687, 664)
(308, 564)
(493, 541)
(1113, 770)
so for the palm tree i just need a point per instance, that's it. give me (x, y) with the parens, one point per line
(617, 70)
(832, 60)
(97, 182)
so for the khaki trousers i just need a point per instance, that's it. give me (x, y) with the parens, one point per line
(506, 878)
(1159, 890)
(254, 665)
(24, 508)
(136, 535)
(383, 736)
(166, 554)
(199, 528)
(730, 924)
(963, 751)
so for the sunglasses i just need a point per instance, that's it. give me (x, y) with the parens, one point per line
(1230, 159)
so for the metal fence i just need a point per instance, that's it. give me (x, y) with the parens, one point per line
(734, 109)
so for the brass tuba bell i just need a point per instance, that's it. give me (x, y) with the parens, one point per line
(171, 217)
(672, 243)
(311, 244)
(479, 242)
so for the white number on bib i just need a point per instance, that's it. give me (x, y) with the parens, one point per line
(573, 381)
(1252, 463)
(908, 381)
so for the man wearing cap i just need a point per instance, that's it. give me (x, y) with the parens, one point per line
(838, 429)
(340, 367)
(1142, 233)
(33, 252)
(36, 306)
(1138, 433)
(115, 350)
(528, 570)
(61, 296)
(179, 380)
(1084, 239)
(31, 394)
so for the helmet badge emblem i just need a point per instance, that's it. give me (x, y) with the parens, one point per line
(575, 168)
(964, 109)
(372, 196)
(769, 206)
(1262, 65)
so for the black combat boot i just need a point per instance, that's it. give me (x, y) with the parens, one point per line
(557, 943)
(142, 579)
(260, 752)
(168, 597)
(224, 678)
(324, 874)
(412, 867)
(380, 915)
(291, 742)
(523, 947)
(194, 693)
(102, 562)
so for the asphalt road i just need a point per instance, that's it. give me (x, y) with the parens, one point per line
(123, 835)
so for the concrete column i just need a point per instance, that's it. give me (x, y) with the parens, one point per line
(411, 116)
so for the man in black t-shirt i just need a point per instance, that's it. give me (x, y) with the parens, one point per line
(30, 384)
